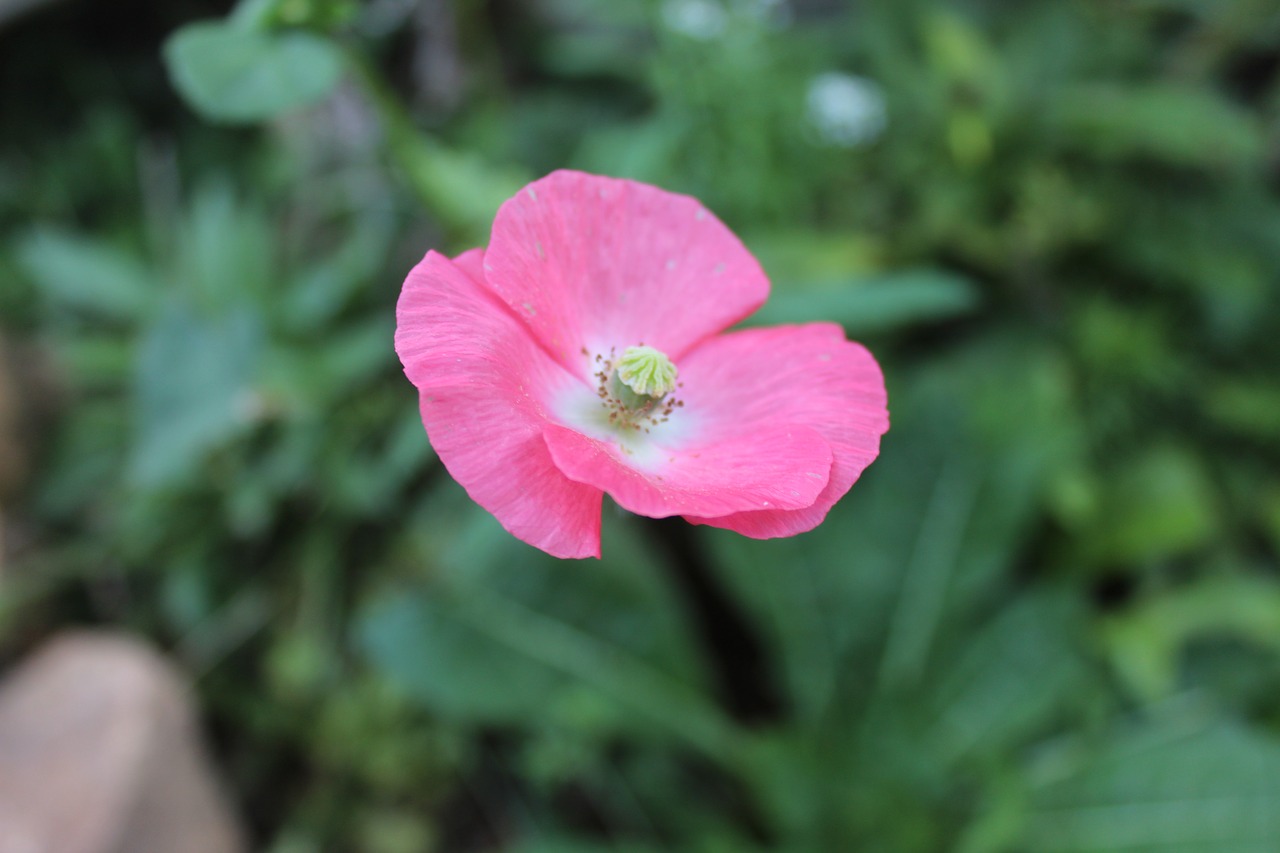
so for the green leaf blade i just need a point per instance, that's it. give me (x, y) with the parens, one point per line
(235, 75)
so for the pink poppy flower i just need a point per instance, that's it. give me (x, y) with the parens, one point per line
(583, 353)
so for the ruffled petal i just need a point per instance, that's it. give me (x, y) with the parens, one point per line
(774, 466)
(796, 374)
(592, 263)
(481, 379)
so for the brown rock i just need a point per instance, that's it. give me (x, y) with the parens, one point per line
(99, 753)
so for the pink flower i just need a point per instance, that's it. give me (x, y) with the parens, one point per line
(584, 352)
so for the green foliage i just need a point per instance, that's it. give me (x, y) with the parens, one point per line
(884, 302)
(1165, 788)
(1046, 619)
(234, 74)
(87, 277)
(1187, 127)
(193, 386)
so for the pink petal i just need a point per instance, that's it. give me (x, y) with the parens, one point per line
(592, 262)
(798, 374)
(772, 466)
(477, 369)
(471, 262)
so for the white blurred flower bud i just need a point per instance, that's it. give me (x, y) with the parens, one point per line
(703, 20)
(845, 110)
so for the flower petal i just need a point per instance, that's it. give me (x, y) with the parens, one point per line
(776, 466)
(480, 377)
(797, 374)
(592, 262)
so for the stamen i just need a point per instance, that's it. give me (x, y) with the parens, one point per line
(639, 389)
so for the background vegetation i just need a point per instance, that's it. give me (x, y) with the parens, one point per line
(1047, 619)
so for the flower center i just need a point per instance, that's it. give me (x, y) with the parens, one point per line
(635, 388)
(644, 372)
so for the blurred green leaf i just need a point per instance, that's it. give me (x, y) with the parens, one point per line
(234, 74)
(226, 250)
(1146, 644)
(370, 481)
(958, 48)
(1249, 407)
(569, 845)
(807, 259)
(1156, 505)
(322, 291)
(877, 304)
(441, 656)
(476, 655)
(396, 831)
(193, 387)
(356, 354)
(1180, 125)
(1162, 789)
(604, 651)
(1013, 677)
(87, 275)
(928, 571)
(308, 376)
(461, 188)
(316, 14)
(97, 360)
